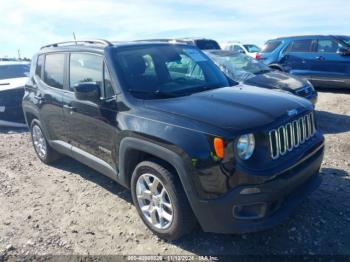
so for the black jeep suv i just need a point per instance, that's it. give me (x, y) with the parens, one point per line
(161, 119)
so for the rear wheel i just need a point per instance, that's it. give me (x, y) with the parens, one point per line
(43, 150)
(160, 201)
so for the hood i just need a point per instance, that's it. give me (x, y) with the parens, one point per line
(239, 107)
(276, 79)
(12, 83)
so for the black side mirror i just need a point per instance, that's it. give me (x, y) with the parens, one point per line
(343, 51)
(89, 91)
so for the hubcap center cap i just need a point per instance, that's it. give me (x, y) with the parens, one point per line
(156, 201)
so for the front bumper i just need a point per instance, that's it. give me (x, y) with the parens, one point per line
(266, 205)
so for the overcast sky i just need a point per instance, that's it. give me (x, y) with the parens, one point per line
(27, 25)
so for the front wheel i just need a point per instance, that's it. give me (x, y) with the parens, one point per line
(160, 201)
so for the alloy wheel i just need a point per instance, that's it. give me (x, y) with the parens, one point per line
(39, 142)
(154, 201)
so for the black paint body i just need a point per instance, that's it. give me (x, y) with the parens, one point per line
(113, 135)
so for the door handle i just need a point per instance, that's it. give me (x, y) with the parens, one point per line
(320, 57)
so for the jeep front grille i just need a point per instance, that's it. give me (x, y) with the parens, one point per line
(291, 135)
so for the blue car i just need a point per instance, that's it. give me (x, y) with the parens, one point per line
(324, 60)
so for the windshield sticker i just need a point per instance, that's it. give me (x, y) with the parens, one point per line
(195, 55)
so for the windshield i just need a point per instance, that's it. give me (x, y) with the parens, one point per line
(14, 71)
(252, 48)
(238, 66)
(162, 71)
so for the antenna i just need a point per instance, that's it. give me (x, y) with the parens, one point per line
(75, 39)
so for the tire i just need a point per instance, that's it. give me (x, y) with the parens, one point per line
(183, 220)
(47, 155)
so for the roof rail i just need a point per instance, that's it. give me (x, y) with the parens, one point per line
(165, 40)
(86, 41)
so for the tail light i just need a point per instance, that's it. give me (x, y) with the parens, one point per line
(257, 56)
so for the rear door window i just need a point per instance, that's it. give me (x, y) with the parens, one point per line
(300, 46)
(270, 46)
(54, 70)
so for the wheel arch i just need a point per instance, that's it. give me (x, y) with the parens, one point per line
(29, 116)
(133, 150)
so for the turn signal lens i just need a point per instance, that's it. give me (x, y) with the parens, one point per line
(219, 147)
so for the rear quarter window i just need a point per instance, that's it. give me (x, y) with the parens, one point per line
(39, 65)
(270, 46)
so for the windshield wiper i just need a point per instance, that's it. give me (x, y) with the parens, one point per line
(157, 93)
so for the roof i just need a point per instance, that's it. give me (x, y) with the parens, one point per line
(299, 37)
(346, 36)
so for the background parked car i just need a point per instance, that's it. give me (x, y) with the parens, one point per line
(324, 60)
(248, 49)
(244, 69)
(13, 76)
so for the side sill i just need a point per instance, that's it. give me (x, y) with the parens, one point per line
(85, 158)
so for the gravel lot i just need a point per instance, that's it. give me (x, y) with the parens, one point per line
(71, 209)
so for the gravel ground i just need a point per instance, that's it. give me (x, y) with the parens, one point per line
(71, 209)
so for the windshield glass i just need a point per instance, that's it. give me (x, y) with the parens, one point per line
(252, 48)
(161, 71)
(238, 66)
(14, 71)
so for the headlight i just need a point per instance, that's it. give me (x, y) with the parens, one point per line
(245, 146)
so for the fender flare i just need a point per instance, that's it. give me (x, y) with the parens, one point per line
(162, 153)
